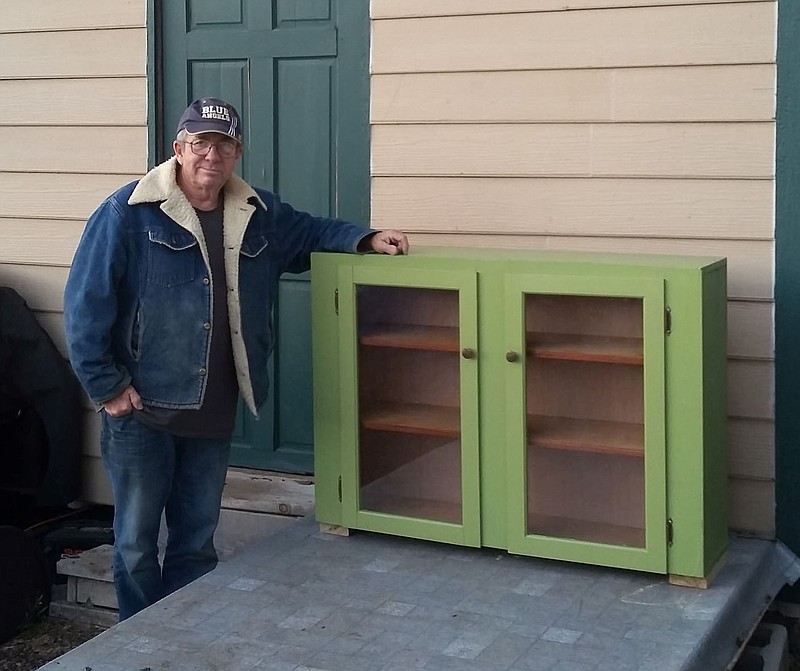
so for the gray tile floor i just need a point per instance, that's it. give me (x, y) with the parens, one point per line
(304, 601)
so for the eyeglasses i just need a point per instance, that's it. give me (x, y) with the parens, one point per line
(225, 148)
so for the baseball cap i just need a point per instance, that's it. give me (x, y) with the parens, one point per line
(211, 115)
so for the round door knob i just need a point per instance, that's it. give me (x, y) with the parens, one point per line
(468, 353)
(511, 357)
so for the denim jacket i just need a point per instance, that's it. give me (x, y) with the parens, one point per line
(137, 301)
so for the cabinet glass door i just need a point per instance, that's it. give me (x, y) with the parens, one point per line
(587, 363)
(414, 390)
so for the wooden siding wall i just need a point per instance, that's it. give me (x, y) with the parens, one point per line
(73, 128)
(608, 125)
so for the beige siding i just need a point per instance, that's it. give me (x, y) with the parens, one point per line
(743, 92)
(623, 150)
(742, 209)
(605, 125)
(96, 484)
(73, 127)
(52, 15)
(21, 240)
(114, 102)
(53, 55)
(386, 9)
(750, 333)
(751, 449)
(90, 151)
(752, 506)
(55, 195)
(627, 37)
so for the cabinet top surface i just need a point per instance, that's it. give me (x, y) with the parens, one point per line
(488, 254)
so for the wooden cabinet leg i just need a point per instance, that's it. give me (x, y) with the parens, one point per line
(700, 583)
(334, 529)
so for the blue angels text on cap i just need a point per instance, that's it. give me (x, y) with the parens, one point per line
(211, 115)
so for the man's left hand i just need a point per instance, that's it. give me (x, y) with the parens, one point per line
(388, 242)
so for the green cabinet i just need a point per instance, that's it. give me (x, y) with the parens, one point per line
(559, 405)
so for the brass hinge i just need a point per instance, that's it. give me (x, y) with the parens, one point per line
(670, 531)
(340, 489)
(667, 320)
(336, 306)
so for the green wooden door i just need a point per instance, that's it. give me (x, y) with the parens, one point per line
(297, 72)
(585, 419)
(408, 362)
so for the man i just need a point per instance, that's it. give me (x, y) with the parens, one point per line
(167, 310)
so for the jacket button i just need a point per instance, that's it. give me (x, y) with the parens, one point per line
(206, 281)
(202, 372)
(206, 326)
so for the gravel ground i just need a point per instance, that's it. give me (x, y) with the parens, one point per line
(42, 642)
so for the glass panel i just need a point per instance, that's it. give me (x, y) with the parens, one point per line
(585, 418)
(409, 398)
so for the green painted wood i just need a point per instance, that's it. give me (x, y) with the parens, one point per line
(787, 278)
(715, 407)
(684, 402)
(328, 452)
(696, 379)
(651, 557)
(298, 74)
(354, 514)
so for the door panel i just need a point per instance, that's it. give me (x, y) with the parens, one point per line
(409, 402)
(305, 111)
(292, 382)
(297, 72)
(587, 428)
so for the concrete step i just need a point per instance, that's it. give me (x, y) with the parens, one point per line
(268, 492)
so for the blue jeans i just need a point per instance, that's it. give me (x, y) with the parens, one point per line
(153, 472)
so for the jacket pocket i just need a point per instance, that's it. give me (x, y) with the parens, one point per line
(171, 258)
(253, 245)
(136, 334)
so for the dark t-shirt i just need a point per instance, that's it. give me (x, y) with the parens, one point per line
(215, 418)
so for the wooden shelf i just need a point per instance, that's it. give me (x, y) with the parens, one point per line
(579, 347)
(411, 336)
(416, 418)
(440, 511)
(586, 435)
(584, 530)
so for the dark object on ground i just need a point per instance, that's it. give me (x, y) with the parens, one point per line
(43, 642)
(24, 584)
(40, 415)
